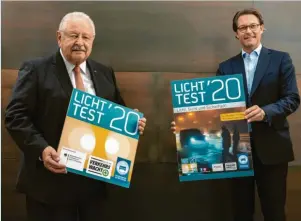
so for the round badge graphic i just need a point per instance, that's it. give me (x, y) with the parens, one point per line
(105, 172)
(243, 159)
(122, 167)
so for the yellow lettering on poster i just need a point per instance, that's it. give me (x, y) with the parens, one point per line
(232, 116)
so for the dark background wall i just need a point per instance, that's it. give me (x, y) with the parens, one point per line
(148, 44)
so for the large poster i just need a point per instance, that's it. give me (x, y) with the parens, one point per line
(212, 134)
(99, 139)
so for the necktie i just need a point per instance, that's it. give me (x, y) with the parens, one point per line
(78, 79)
(250, 71)
(250, 75)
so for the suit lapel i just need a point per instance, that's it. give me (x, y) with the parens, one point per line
(238, 66)
(262, 64)
(94, 77)
(62, 74)
(64, 78)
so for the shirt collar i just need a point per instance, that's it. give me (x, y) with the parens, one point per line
(256, 51)
(71, 66)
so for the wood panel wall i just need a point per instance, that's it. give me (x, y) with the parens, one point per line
(148, 44)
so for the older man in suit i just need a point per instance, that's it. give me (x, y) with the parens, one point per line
(35, 117)
(272, 95)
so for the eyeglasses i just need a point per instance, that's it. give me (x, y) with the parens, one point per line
(76, 36)
(244, 28)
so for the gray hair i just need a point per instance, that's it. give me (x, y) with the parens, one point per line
(73, 16)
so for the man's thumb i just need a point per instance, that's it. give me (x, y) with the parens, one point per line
(54, 155)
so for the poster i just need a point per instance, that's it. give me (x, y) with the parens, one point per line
(212, 135)
(99, 139)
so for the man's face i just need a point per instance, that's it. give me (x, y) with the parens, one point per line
(76, 40)
(249, 32)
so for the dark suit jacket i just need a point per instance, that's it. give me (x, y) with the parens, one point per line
(34, 118)
(275, 90)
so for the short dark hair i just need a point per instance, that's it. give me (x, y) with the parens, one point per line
(248, 11)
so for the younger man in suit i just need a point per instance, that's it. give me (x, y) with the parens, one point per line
(272, 95)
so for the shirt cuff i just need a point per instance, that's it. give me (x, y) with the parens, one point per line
(267, 119)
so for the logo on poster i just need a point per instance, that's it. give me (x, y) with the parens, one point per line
(217, 167)
(99, 167)
(243, 161)
(122, 167)
(231, 166)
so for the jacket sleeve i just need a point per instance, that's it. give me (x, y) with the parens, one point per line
(21, 110)
(288, 91)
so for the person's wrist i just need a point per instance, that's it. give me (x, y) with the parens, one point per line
(41, 154)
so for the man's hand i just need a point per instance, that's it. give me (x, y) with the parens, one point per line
(173, 126)
(141, 124)
(254, 113)
(51, 160)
